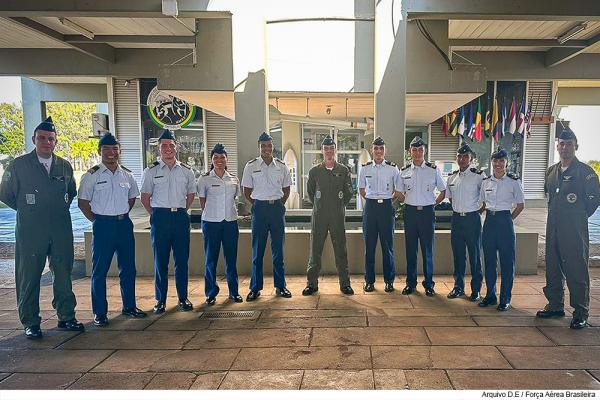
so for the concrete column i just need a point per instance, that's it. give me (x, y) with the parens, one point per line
(251, 116)
(34, 110)
(390, 77)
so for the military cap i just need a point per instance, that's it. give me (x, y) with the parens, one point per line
(464, 149)
(218, 149)
(499, 154)
(108, 139)
(46, 125)
(567, 134)
(265, 137)
(378, 141)
(328, 141)
(417, 142)
(167, 134)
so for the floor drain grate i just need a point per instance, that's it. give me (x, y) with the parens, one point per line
(230, 315)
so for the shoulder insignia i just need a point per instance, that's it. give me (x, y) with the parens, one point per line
(93, 169)
(455, 172)
(591, 176)
(406, 167)
(154, 164)
(184, 165)
(207, 173)
(251, 161)
(430, 165)
(512, 176)
(279, 161)
(125, 168)
(390, 163)
(476, 171)
(368, 163)
(487, 177)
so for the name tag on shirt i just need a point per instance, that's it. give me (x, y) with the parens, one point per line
(100, 182)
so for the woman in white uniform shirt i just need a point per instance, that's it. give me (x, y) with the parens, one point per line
(217, 191)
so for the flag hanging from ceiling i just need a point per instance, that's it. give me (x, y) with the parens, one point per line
(453, 123)
(487, 128)
(528, 121)
(469, 121)
(504, 124)
(477, 129)
(512, 124)
(445, 124)
(495, 122)
(461, 121)
(521, 118)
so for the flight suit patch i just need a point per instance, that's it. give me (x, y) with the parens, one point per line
(571, 198)
(30, 198)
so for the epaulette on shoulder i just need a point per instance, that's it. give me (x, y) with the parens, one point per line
(184, 165)
(251, 161)
(406, 167)
(430, 165)
(393, 164)
(512, 176)
(487, 177)
(279, 161)
(154, 164)
(367, 163)
(476, 171)
(207, 173)
(455, 172)
(93, 169)
(125, 168)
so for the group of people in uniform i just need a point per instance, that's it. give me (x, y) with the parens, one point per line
(40, 186)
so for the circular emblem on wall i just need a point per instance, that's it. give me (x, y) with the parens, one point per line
(169, 112)
(571, 198)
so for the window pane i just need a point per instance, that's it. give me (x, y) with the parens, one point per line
(312, 136)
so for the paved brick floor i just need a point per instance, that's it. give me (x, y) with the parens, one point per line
(328, 341)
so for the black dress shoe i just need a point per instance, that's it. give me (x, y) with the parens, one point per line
(389, 287)
(488, 301)
(159, 307)
(283, 292)
(100, 320)
(408, 290)
(33, 332)
(134, 312)
(578, 323)
(347, 290)
(210, 301)
(503, 307)
(369, 287)
(474, 296)
(429, 292)
(309, 290)
(237, 298)
(71, 325)
(185, 305)
(549, 313)
(456, 292)
(253, 295)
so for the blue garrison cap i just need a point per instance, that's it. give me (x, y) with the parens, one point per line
(328, 141)
(418, 142)
(218, 149)
(264, 137)
(464, 149)
(378, 141)
(47, 125)
(499, 154)
(567, 134)
(108, 139)
(167, 134)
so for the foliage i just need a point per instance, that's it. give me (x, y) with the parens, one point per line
(595, 165)
(12, 140)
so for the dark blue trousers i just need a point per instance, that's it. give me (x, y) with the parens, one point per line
(499, 239)
(225, 233)
(466, 235)
(111, 235)
(379, 219)
(419, 228)
(170, 230)
(267, 217)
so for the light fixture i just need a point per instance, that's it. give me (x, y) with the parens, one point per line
(571, 33)
(328, 109)
(77, 28)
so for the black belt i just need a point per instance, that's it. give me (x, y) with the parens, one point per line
(112, 217)
(420, 208)
(379, 201)
(464, 214)
(173, 209)
(269, 201)
(501, 212)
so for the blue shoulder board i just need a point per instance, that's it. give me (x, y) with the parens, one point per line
(184, 165)
(279, 161)
(512, 176)
(390, 163)
(368, 163)
(455, 172)
(251, 161)
(476, 171)
(406, 167)
(125, 168)
(430, 165)
(154, 164)
(93, 169)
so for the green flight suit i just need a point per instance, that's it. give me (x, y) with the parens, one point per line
(43, 229)
(573, 196)
(329, 191)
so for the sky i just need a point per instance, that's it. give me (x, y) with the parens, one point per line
(11, 89)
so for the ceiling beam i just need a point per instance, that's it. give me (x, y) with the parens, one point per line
(516, 43)
(131, 39)
(556, 56)
(530, 10)
(100, 51)
(105, 8)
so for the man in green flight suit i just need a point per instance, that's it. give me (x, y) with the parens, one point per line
(573, 196)
(329, 189)
(40, 187)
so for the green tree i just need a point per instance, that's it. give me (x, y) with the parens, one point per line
(595, 165)
(12, 139)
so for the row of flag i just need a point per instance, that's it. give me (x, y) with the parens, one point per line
(498, 121)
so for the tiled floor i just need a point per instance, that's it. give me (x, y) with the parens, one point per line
(328, 341)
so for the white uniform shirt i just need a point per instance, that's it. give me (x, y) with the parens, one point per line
(379, 180)
(266, 181)
(108, 192)
(501, 194)
(168, 187)
(419, 183)
(220, 194)
(464, 189)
